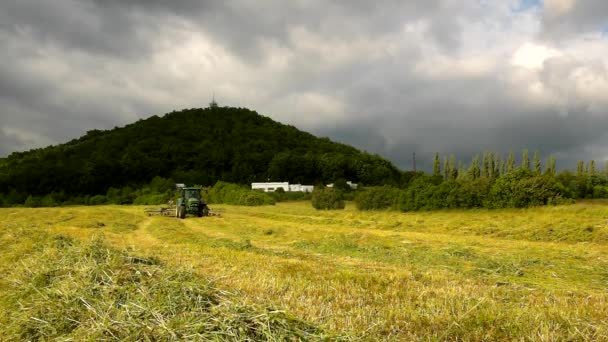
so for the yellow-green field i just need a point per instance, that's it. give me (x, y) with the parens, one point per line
(532, 274)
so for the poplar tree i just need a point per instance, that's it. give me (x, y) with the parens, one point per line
(525, 159)
(436, 165)
(446, 168)
(592, 168)
(461, 171)
(453, 171)
(491, 165)
(537, 166)
(510, 162)
(497, 166)
(474, 167)
(550, 168)
(485, 171)
(580, 168)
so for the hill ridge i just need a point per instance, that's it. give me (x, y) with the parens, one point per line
(195, 146)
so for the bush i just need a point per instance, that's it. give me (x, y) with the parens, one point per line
(150, 199)
(327, 199)
(32, 201)
(469, 193)
(283, 196)
(97, 200)
(600, 191)
(377, 198)
(228, 193)
(417, 196)
(48, 201)
(519, 189)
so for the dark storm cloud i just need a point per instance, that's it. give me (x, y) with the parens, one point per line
(390, 77)
(79, 25)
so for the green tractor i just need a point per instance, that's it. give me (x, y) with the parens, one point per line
(189, 201)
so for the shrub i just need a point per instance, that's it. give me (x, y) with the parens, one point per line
(469, 193)
(518, 189)
(228, 193)
(48, 201)
(600, 191)
(97, 200)
(377, 198)
(32, 201)
(327, 199)
(279, 196)
(417, 195)
(153, 198)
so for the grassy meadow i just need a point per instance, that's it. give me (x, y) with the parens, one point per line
(291, 272)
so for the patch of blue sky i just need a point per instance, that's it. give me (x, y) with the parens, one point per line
(526, 5)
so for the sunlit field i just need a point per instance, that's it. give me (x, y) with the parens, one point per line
(531, 274)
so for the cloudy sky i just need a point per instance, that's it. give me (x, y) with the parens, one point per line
(389, 76)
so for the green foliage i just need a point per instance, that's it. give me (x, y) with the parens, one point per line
(537, 165)
(286, 196)
(469, 193)
(377, 198)
(150, 199)
(32, 201)
(520, 188)
(510, 162)
(228, 193)
(98, 200)
(48, 201)
(525, 160)
(342, 185)
(436, 165)
(193, 146)
(327, 199)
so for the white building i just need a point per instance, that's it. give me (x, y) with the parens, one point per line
(270, 186)
(301, 188)
(273, 186)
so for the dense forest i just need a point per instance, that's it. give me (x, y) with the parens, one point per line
(193, 146)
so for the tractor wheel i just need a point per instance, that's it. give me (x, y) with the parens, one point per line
(177, 212)
(182, 212)
(205, 211)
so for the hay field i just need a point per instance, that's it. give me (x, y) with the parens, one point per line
(531, 274)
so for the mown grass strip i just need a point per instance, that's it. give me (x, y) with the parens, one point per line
(63, 289)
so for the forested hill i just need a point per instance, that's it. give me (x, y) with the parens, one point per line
(193, 146)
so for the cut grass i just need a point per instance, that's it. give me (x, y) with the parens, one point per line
(94, 292)
(446, 275)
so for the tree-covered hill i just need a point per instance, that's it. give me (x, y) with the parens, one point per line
(194, 146)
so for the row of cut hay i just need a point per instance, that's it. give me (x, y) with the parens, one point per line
(68, 290)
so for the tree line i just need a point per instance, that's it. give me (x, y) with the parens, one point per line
(489, 181)
(140, 162)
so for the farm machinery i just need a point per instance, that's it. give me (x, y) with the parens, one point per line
(189, 201)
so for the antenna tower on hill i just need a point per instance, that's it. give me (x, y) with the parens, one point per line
(213, 104)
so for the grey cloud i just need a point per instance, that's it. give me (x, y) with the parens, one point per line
(10, 143)
(80, 25)
(388, 106)
(583, 17)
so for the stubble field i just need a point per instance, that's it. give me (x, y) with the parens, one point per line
(289, 271)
